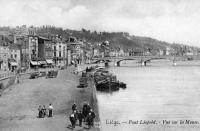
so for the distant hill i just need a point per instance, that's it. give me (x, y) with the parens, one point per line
(126, 41)
(121, 39)
(116, 39)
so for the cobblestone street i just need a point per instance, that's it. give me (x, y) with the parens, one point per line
(19, 104)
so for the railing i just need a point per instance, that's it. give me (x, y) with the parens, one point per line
(195, 57)
(6, 75)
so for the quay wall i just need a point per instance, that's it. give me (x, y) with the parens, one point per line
(6, 83)
(94, 104)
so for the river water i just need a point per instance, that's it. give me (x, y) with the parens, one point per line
(167, 96)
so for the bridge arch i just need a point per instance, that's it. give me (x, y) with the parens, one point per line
(101, 61)
(158, 58)
(144, 62)
(118, 62)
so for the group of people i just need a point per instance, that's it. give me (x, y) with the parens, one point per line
(42, 111)
(86, 114)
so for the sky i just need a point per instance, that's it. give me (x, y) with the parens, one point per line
(167, 20)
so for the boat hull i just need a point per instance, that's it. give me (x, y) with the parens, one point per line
(107, 86)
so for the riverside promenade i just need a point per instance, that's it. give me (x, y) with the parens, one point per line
(19, 103)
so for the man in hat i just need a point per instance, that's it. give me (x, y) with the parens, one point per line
(93, 116)
(72, 120)
(39, 111)
(44, 111)
(89, 120)
(50, 108)
(74, 107)
(80, 118)
(84, 111)
(88, 109)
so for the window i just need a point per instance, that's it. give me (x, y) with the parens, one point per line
(63, 53)
(54, 48)
(15, 55)
(11, 55)
(59, 47)
(55, 54)
(59, 53)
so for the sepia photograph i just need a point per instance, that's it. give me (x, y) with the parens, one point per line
(99, 65)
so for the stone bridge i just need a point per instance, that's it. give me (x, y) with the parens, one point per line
(143, 59)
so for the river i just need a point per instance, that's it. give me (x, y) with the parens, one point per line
(158, 97)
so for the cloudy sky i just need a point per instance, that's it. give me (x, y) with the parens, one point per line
(167, 20)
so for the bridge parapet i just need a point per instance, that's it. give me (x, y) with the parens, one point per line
(145, 59)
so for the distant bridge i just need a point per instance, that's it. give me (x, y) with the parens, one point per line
(144, 59)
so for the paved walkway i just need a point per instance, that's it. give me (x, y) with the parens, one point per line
(19, 104)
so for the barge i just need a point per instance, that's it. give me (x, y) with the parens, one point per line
(105, 81)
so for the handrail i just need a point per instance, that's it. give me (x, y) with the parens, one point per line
(6, 75)
(11, 74)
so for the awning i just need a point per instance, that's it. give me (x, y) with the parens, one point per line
(49, 61)
(13, 63)
(35, 63)
(43, 62)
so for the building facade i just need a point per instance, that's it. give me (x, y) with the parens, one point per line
(4, 56)
(27, 40)
(77, 52)
(33, 47)
(15, 57)
(60, 51)
(45, 51)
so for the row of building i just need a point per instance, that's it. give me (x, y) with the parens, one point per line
(29, 50)
(25, 48)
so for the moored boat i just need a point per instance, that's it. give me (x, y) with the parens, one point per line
(122, 85)
(107, 86)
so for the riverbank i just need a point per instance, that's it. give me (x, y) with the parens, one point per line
(18, 105)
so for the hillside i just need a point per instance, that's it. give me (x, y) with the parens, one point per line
(117, 39)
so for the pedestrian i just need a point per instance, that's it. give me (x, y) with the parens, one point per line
(93, 116)
(74, 107)
(18, 79)
(89, 120)
(75, 112)
(50, 108)
(88, 109)
(39, 111)
(72, 120)
(84, 111)
(44, 111)
(80, 118)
